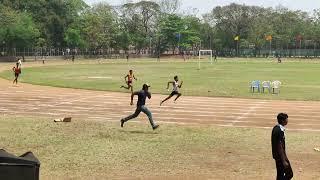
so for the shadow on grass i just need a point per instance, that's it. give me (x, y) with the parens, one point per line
(138, 132)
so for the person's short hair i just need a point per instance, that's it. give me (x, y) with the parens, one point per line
(175, 77)
(145, 86)
(130, 70)
(282, 117)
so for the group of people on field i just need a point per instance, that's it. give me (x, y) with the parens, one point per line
(283, 167)
(144, 93)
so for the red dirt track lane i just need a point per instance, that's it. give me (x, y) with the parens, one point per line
(33, 100)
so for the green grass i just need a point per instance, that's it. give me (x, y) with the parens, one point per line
(96, 150)
(227, 78)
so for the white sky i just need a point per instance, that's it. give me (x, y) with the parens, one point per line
(205, 6)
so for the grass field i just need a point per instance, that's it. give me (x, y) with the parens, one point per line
(99, 149)
(95, 150)
(227, 78)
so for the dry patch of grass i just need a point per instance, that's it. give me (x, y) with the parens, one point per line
(96, 150)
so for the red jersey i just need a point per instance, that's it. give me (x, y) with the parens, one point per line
(130, 77)
(16, 70)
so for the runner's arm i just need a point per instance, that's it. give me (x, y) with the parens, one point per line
(170, 82)
(132, 95)
(181, 84)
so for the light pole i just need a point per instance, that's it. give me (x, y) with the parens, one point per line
(270, 47)
(3, 44)
(314, 49)
(210, 42)
(179, 38)
(150, 45)
(300, 48)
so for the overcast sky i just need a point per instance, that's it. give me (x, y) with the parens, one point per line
(204, 6)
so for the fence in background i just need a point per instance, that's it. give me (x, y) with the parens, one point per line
(41, 53)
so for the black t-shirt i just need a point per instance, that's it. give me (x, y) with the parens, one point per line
(142, 95)
(277, 137)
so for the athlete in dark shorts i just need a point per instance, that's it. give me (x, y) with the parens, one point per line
(17, 72)
(175, 90)
(129, 81)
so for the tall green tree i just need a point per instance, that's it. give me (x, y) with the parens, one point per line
(100, 26)
(171, 28)
(52, 17)
(17, 29)
(231, 20)
(140, 21)
(73, 38)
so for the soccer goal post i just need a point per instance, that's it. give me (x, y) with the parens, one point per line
(204, 52)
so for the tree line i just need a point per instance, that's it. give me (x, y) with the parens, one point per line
(153, 27)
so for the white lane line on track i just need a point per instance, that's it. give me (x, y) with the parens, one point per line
(223, 105)
(169, 119)
(200, 111)
(262, 127)
(219, 125)
(182, 106)
(214, 106)
(197, 113)
(251, 110)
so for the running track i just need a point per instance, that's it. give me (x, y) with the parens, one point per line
(32, 100)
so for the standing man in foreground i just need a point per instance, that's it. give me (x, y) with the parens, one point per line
(284, 170)
(142, 95)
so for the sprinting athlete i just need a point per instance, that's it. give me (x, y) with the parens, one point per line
(17, 72)
(142, 95)
(175, 90)
(129, 80)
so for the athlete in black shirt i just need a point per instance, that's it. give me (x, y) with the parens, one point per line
(142, 95)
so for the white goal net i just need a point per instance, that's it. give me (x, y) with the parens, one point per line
(205, 54)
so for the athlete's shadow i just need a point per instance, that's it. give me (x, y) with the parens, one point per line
(138, 132)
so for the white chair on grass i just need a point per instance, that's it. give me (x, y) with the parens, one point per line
(275, 85)
(266, 85)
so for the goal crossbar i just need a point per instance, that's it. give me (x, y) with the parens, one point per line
(200, 51)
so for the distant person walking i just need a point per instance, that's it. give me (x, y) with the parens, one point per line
(183, 54)
(142, 95)
(129, 80)
(284, 170)
(17, 71)
(175, 90)
(19, 62)
(279, 59)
